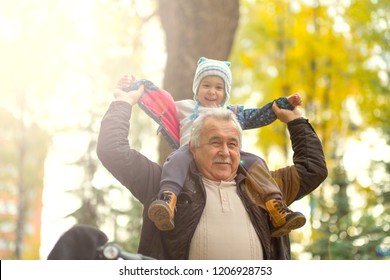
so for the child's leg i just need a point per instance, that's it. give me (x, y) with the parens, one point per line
(262, 187)
(267, 194)
(174, 173)
(175, 170)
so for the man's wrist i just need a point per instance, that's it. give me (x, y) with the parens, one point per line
(298, 120)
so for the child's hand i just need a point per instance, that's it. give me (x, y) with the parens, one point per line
(125, 82)
(295, 99)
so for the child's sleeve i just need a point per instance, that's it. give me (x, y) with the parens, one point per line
(258, 117)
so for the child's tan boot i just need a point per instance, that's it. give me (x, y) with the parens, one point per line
(161, 211)
(283, 219)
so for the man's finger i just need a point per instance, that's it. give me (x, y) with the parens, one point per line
(275, 108)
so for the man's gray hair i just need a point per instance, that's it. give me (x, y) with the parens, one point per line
(221, 114)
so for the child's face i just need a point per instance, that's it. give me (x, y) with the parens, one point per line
(211, 92)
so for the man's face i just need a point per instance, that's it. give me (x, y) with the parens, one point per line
(218, 156)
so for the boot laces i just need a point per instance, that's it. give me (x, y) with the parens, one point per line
(166, 196)
(282, 208)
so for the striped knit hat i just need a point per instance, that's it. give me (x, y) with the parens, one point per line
(211, 67)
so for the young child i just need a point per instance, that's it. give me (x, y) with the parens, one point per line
(211, 87)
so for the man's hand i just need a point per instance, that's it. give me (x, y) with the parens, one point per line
(285, 115)
(130, 97)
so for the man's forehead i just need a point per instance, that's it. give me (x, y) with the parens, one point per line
(214, 128)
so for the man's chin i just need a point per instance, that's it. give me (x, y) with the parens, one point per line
(224, 177)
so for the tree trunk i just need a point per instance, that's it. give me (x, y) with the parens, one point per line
(194, 29)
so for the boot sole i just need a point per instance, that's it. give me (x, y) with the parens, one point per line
(160, 215)
(290, 225)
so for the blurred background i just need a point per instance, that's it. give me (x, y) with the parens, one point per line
(59, 63)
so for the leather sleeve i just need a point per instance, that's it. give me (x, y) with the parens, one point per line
(133, 170)
(309, 169)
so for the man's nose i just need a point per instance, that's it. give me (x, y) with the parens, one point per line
(224, 150)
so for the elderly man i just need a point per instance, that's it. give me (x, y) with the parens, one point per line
(217, 216)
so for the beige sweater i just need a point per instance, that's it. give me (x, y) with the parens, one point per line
(225, 230)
